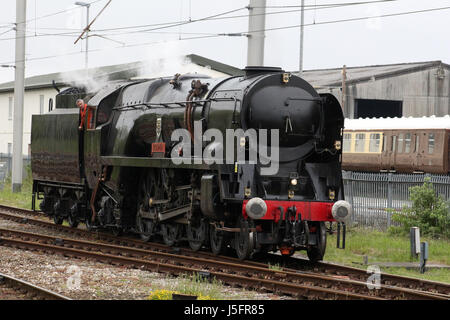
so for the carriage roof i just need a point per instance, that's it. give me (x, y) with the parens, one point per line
(423, 123)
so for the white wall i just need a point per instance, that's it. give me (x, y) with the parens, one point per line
(31, 107)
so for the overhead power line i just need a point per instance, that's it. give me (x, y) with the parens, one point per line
(245, 33)
(331, 4)
(5, 32)
(352, 19)
(119, 47)
(165, 25)
(59, 12)
(219, 16)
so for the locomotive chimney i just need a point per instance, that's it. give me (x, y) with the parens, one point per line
(256, 71)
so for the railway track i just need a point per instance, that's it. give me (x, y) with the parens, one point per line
(362, 275)
(261, 279)
(15, 289)
(306, 284)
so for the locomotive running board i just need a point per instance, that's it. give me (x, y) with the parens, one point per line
(163, 216)
(152, 163)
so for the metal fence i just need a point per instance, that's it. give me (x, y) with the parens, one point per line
(6, 167)
(372, 194)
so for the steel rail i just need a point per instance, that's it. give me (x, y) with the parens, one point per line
(124, 241)
(219, 266)
(31, 289)
(285, 288)
(387, 280)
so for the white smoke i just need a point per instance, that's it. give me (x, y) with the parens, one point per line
(88, 79)
(165, 60)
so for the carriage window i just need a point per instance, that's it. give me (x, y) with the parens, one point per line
(431, 142)
(417, 143)
(394, 143)
(384, 143)
(400, 143)
(408, 143)
(375, 142)
(360, 143)
(347, 142)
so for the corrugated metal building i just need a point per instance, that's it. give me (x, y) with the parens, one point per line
(397, 90)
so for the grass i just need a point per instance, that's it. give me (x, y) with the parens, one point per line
(384, 247)
(20, 200)
(192, 285)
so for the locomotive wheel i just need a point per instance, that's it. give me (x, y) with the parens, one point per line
(58, 209)
(46, 206)
(145, 228)
(217, 240)
(170, 233)
(73, 221)
(88, 221)
(244, 241)
(148, 187)
(58, 220)
(317, 252)
(197, 235)
(117, 231)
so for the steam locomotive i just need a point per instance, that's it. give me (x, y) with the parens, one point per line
(126, 172)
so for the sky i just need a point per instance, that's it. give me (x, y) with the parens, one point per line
(135, 30)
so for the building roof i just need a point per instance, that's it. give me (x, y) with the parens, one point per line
(333, 77)
(114, 72)
(322, 78)
(398, 123)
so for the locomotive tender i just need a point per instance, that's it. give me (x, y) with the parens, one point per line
(119, 174)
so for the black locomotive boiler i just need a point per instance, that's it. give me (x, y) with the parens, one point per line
(118, 173)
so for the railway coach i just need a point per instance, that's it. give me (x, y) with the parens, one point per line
(403, 145)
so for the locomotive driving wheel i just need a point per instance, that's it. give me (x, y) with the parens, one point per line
(170, 233)
(197, 233)
(217, 240)
(145, 227)
(316, 253)
(147, 191)
(244, 241)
